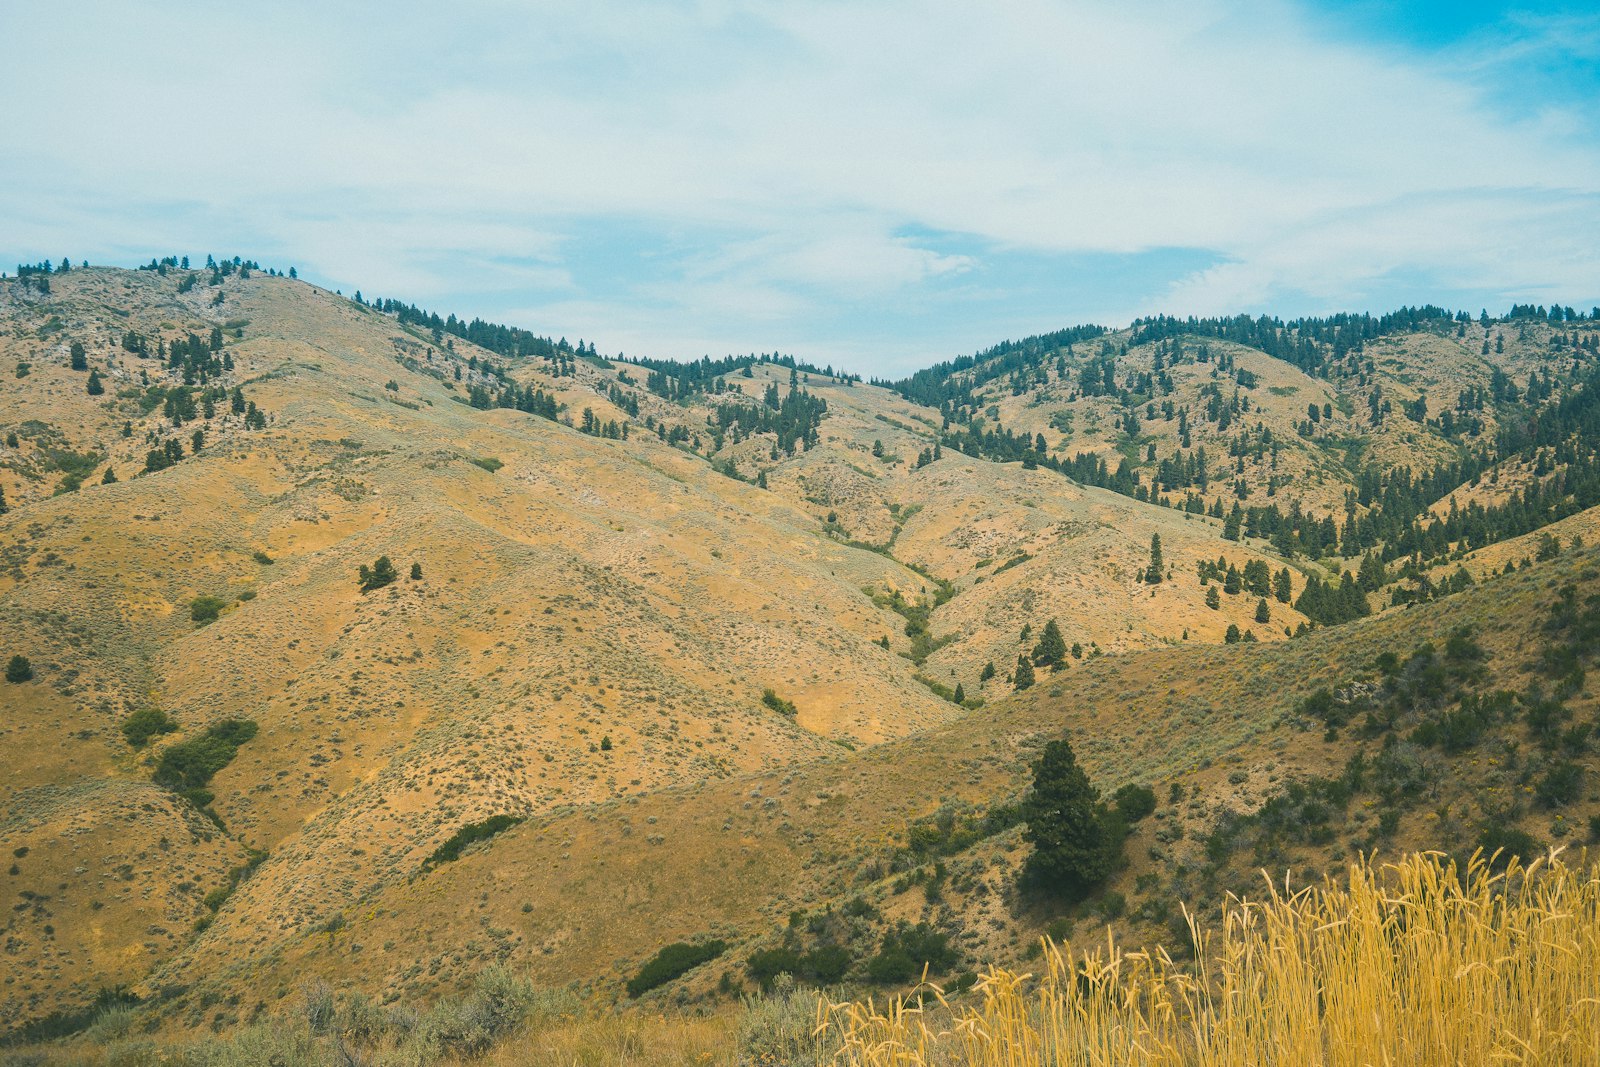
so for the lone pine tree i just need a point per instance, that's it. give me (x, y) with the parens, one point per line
(1153, 573)
(1051, 650)
(1077, 842)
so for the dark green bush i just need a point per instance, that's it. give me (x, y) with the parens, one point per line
(146, 723)
(1509, 843)
(205, 609)
(778, 704)
(766, 964)
(470, 834)
(906, 950)
(826, 964)
(1134, 802)
(676, 959)
(1560, 785)
(19, 670)
(187, 767)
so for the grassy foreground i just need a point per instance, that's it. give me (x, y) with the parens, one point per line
(1415, 962)
(1412, 963)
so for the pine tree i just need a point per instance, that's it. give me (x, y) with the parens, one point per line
(1051, 650)
(80, 359)
(1213, 599)
(1154, 572)
(416, 572)
(1232, 636)
(1282, 588)
(109, 478)
(960, 694)
(987, 672)
(1076, 842)
(1263, 613)
(382, 573)
(19, 670)
(1024, 676)
(1233, 523)
(1231, 582)
(94, 386)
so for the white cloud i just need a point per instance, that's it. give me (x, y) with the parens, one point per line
(791, 148)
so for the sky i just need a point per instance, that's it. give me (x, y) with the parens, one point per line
(873, 184)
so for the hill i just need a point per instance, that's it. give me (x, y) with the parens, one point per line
(684, 643)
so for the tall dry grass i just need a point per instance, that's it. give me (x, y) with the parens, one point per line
(1411, 963)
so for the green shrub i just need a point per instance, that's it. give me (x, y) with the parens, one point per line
(1560, 785)
(826, 964)
(907, 950)
(488, 463)
(1134, 802)
(146, 723)
(470, 834)
(782, 1028)
(766, 964)
(672, 961)
(187, 767)
(1509, 843)
(205, 609)
(778, 704)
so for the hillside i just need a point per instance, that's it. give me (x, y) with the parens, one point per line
(697, 631)
(595, 617)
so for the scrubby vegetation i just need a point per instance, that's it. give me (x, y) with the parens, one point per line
(146, 723)
(187, 767)
(671, 961)
(470, 834)
(1420, 962)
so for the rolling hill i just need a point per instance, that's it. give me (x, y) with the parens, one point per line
(672, 652)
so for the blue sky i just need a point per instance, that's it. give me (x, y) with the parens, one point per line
(877, 184)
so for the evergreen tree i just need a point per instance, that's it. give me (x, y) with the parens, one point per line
(94, 386)
(960, 694)
(1232, 636)
(1282, 587)
(19, 670)
(1232, 583)
(1051, 651)
(1263, 613)
(416, 572)
(1154, 572)
(109, 478)
(80, 359)
(381, 573)
(987, 672)
(1213, 599)
(1024, 676)
(1076, 842)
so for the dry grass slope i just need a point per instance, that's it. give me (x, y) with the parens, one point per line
(1413, 962)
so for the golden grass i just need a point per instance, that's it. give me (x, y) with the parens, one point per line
(1409, 964)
